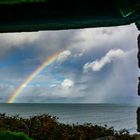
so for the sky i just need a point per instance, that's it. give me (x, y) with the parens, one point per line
(95, 65)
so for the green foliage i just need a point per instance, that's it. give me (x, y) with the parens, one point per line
(19, 1)
(8, 135)
(46, 127)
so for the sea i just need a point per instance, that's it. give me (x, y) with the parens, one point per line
(117, 115)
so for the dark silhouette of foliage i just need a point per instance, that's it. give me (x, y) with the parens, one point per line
(46, 127)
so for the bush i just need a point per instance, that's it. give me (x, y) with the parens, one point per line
(46, 127)
(8, 135)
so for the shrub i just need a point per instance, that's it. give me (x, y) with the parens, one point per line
(46, 127)
(8, 135)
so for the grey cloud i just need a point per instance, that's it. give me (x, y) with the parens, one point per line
(120, 84)
(116, 81)
(123, 37)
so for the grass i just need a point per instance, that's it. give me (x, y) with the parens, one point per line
(8, 135)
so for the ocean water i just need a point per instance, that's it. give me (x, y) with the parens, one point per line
(118, 116)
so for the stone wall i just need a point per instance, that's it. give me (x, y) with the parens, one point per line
(138, 110)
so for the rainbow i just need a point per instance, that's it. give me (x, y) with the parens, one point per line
(16, 93)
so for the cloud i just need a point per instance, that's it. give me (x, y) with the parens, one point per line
(67, 83)
(79, 54)
(66, 89)
(16, 39)
(97, 65)
(40, 44)
(103, 39)
(63, 56)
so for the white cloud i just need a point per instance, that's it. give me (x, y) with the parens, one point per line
(80, 54)
(67, 83)
(63, 56)
(97, 65)
(53, 85)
